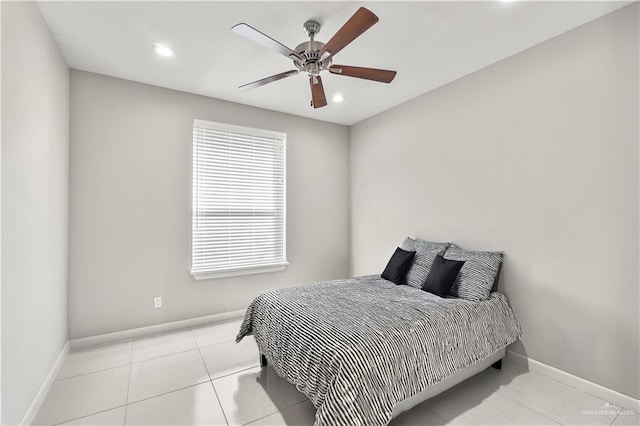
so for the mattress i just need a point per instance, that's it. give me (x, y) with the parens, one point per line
(358, 347)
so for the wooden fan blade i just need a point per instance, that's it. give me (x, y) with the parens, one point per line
(360, 22)
(384, 76)
(268, 80)
(256, 36)
(317, 92)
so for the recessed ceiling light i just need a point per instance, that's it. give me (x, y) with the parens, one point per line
(338, 97)
(162, 49)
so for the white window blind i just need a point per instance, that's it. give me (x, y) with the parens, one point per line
(238, 200)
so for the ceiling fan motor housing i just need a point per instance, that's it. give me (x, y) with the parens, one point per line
(312, 64)
(309, 50)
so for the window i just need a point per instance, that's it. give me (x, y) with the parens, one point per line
(238, 200)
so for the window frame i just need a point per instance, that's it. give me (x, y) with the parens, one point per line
(230, 271)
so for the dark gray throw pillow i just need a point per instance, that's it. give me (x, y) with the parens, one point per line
(396, 269)
(478, 274)
(442, 275)
(426, 252)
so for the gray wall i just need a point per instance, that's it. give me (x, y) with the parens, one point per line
(130, 210)
(536, 155)
(35, 152)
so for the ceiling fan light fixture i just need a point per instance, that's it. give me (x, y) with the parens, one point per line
(162, 50)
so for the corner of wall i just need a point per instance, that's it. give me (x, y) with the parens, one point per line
(34, 213)
(350, 200)
(1, 400)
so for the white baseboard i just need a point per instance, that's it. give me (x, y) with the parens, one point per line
(610, 395)
(31, 413)
(157, 328)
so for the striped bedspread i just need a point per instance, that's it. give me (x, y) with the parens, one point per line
(356, 347)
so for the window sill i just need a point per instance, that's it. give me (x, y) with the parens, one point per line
(244, 270)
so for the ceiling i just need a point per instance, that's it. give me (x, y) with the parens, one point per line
(429, 44)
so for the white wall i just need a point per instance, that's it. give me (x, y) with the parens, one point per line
(35, 147)
(0, 215)
(130, 210)
(536, 155)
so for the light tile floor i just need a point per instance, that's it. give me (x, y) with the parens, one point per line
(200, 376)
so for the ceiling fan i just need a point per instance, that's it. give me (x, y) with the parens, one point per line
(314, 56)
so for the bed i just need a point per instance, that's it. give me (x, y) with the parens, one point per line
(364, 349)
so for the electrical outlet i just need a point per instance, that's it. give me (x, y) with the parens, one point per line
(157, 302)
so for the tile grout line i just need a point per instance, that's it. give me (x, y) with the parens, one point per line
(231, 373)
(200, 352)
(522, 403)
(131, 362)
(182, 351)
(126, 407)
(245, 369)
(214, 344)
(215, 392)
(235, 372)
(615, 418)
(97, 345)
(92, 372)
(89, 415)
(86, 374)
(167, 392)
(182, 330)
(306, 399)
(517, 401)
(71, 351)
(583, 392)
(578, 389)
(447, 421)
(621, 407)
(565, 384)
(164, 356)
(430, 408)
(275, 412)
(288, 406)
